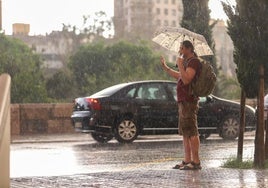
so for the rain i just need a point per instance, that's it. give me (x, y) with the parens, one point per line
(96, 100)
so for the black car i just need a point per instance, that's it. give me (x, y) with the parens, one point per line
(127, 110)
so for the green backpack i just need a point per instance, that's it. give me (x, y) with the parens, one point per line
(205, 81)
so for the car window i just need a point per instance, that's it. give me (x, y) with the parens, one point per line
(154, 91)
(110, 90)
(173, 89)
(131, 93)
(203, 99)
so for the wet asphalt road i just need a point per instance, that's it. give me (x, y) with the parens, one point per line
(65, 158)
(43, 163)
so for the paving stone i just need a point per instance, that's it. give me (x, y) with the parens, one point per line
(208, 177)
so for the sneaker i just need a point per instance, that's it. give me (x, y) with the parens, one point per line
(179, 166)
(191, 166)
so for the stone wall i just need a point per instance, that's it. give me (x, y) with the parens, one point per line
(41, 118)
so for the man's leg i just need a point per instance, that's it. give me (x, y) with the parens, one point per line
(187, 149)
(187, 153)
(194, 146)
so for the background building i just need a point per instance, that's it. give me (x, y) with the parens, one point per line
(142, 18)
(21, 29)
(133, 19)
(224, 49)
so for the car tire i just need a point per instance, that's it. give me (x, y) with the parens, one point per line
(126, 130)
(229, 128)
(101, 138)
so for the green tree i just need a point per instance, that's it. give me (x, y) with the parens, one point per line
(248, 28)
(229, 87)
(23, 66)
(60, 87)
(96, 66)
(93, 26)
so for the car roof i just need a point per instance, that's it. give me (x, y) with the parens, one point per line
(114, 88)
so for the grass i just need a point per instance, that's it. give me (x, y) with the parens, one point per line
(233, 162)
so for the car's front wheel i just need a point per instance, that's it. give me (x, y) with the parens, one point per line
(229, 128)
(126, 130)
(102, 138)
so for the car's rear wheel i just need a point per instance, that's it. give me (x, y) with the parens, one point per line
(229, 128)
(102, 138)
(126, 130)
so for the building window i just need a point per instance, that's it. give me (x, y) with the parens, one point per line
(174, 23)
(173, 2)
(158, 22)
(165, 23)
(174, 12)
(158, 11)
(166, 1)
(166, 11)
(158, 1)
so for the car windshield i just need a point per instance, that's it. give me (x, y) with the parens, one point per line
(109, 91)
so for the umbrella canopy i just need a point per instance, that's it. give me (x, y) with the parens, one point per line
(171, 39)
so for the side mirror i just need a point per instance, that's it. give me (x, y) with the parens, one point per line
(209, 98)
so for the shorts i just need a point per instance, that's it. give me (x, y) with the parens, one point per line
(188, 118)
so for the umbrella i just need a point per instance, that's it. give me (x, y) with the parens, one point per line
(171, 39)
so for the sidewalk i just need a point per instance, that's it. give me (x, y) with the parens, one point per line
(152, 174)
(44, 138)
(158, 178)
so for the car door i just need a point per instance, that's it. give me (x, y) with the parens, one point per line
(206, 114)
(154, 110)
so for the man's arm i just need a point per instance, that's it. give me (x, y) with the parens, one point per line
(171, 72)
(186, 75)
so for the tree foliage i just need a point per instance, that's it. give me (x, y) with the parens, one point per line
(96, 66)
(94, 25)
(196, 18)
(247, 27)
(23, 66)
(229, 87)
(61, 86)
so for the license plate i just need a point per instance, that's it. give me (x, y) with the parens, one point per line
(78, 125)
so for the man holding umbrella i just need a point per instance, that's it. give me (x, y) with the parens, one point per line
(188, 65)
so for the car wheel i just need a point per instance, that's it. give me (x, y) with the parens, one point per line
(126, 131)
(102, 138)
(229, 128)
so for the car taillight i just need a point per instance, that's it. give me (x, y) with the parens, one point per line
(94, 103)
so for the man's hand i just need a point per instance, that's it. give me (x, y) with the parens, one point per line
(180, 62)
(163, 63)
